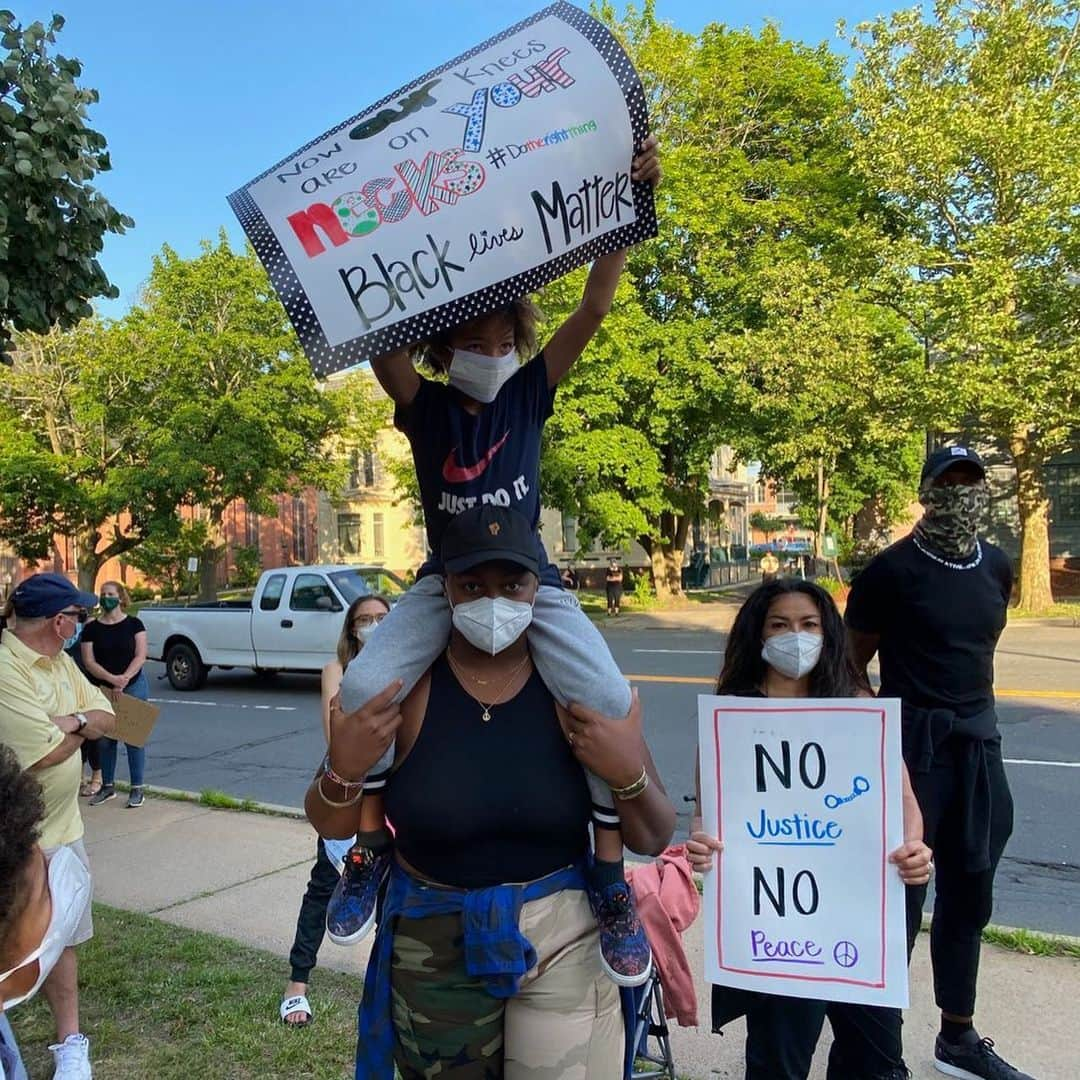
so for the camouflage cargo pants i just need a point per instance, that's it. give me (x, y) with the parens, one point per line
(563, 1024)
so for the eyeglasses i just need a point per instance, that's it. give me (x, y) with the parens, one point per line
(79, 614)
(367, 620)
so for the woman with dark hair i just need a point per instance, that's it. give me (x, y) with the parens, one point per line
(788, 641)
(487, 957)
(113, 651)
(360, 622)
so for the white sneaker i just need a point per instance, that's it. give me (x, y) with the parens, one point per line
(72, 1058)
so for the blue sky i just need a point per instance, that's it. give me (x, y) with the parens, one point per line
(199, 97)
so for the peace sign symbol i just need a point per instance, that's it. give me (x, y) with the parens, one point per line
(845, 954)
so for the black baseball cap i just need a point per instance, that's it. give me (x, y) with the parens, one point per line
(44, 595)
(488, 534)
(945, 457)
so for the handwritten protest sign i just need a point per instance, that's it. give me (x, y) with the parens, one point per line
(807, 799)
(468, 187)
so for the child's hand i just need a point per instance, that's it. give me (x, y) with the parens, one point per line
(646, 165)
(699, 851)
(913, 860)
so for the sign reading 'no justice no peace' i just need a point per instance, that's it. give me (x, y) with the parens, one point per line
(469, 187)
(807, 799)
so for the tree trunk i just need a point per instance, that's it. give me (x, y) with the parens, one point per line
(89, 561)
(666, 555)
(210, 556)
(822, 510)
(1034, 505)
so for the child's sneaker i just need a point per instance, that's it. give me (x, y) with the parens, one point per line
(624, 948)
(350, 914)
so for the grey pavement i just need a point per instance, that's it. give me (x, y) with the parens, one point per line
(262, 740)
(242, 875)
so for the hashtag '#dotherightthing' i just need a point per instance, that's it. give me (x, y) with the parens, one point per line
(496, 156)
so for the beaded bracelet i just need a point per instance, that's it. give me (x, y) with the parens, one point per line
(632, 791)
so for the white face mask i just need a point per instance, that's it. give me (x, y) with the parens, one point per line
(479, 376)
(490, 625)
(363, 633)
(69, 887)
(793, 654)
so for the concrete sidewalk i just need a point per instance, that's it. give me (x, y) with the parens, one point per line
(241, 875)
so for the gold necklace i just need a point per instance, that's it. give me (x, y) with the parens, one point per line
(486, 714)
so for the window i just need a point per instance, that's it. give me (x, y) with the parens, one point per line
(569, 533)
(348, 533)
(312, 592)
(377, 535)
(1063, 487)
(271, 595)
(299, 531)
(354, 470)
(369, 469)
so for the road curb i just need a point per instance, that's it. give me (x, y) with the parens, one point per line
(243, 806)
(297, 813)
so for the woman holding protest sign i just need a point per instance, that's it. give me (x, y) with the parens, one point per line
(485, 929)
(788, 641)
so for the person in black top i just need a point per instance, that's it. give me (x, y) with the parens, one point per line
(485, 928)
(787, 641)
(113, 650)
(932, 606)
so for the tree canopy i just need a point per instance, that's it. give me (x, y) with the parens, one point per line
(52, 220)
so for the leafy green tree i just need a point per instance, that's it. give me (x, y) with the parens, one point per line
(82, 458)
(758, 181)
(969, 127)
(52, 221)
(766, 523)
(828, 384)
(244, 417)
(163, 557)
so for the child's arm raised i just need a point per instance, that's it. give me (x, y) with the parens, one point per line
(569, 341)
(397, 376)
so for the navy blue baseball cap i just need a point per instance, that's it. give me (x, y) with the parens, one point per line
(946, 457)
(43, 595)
(489, 534)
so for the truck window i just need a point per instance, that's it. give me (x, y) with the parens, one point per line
(312, 592)
(271, 594)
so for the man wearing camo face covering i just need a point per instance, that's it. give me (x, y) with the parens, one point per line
(933, 606)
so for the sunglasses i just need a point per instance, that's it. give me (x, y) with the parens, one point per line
(79, 614)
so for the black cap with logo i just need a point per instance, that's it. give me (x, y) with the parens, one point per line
(489, 534)
(946, 457)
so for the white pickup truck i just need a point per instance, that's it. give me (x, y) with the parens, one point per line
(292, 623)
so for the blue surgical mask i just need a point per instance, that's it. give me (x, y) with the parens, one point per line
(74, 639)
(481, 377)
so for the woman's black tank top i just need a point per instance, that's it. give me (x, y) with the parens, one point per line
(478, 803)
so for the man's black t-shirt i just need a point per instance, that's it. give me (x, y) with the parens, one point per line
(114, 643)
(938, 626)
(464, 459)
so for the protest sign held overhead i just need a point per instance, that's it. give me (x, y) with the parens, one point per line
(807, 799)
(470, 186)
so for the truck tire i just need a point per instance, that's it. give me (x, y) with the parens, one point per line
(184, 667)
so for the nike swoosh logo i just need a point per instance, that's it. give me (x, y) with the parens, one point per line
(453, 473)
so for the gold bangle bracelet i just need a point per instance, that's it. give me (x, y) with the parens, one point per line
(632, 791)
(337, 805)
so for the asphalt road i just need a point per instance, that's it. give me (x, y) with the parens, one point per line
(262, 740)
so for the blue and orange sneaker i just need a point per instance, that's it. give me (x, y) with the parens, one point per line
(624, 948)
(350, 914)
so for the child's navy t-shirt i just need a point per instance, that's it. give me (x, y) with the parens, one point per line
(464, 460)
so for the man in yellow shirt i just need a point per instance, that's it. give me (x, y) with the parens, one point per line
(47, 710)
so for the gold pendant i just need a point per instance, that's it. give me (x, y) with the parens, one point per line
(486, 716)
